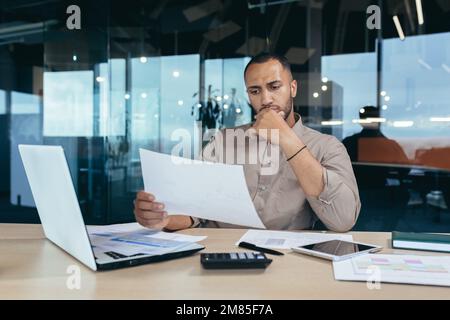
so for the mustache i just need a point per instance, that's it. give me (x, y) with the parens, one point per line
(270, 107)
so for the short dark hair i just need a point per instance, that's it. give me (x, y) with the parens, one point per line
(265, 56)
(369, 112)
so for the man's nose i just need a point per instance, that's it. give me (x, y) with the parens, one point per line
(266, 98)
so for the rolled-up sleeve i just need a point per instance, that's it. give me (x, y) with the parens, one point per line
(338, 205)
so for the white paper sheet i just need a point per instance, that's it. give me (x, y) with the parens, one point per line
(136, 227)
(131, 238)
(200, 189)
(395, 268)
(130, 249)
(116, 228)
(107, 245)
(130, 244)
(288, 239)
(176, 236)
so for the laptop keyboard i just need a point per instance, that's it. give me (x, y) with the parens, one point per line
(116, 255)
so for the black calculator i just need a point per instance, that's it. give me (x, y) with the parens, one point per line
(234, 260)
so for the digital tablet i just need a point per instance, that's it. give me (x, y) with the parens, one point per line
(337, 250)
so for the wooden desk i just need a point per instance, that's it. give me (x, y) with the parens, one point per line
(33, 268)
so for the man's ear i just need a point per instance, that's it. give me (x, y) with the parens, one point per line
(293, 88)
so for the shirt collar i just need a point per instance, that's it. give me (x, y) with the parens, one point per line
(298, 126)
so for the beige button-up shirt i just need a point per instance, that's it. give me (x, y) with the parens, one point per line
(277, 195)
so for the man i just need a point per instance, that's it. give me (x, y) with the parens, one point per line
(314, 181)
(360, 146)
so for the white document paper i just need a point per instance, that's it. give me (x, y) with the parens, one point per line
(105, 245)
(176, 236)
(116, 228)
(133, 244)
(395, 268)
(131, 238)
(205, 190)
(288, 239)
(136, 227)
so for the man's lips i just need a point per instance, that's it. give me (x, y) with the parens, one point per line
(274, 108)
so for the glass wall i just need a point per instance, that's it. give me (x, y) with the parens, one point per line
(136, 73)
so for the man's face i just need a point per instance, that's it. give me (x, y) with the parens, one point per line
(269, 85)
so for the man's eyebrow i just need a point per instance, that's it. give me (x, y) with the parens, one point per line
(267, 84)
(274, 82)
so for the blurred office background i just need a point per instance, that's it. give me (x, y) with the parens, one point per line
(138, 70)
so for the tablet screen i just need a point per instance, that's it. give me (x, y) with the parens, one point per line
(337, 247)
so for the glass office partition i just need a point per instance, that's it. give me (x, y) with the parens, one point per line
(26, 128)
(143, 74)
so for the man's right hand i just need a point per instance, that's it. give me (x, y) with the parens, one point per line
(148, 212)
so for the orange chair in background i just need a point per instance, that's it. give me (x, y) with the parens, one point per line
(434, 157)
(381, 150)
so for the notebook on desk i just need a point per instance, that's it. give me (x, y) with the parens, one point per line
(421, 241)
(57, 204)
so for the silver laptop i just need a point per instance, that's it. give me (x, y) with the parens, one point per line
(57, 204)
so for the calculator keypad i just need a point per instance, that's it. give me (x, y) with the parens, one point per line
(234, 260)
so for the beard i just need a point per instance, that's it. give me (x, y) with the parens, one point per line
(288, 108)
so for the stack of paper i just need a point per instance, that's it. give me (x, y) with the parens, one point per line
(130, 239)
(288, 239)
(412, 269)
